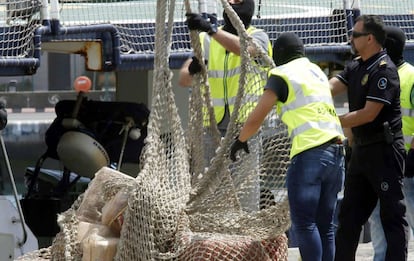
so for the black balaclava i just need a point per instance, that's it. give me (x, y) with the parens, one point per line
(394, 44)
(288, 46)
(244, 10)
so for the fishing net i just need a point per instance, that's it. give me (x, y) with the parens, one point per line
(189, 201)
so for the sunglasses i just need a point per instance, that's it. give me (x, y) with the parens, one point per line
(356, 34)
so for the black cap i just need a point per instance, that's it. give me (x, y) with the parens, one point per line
(287, 47)
(395, 43)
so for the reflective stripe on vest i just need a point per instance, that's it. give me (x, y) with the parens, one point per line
(300, 100)
(313, 125)
(407, 141)
(232, 100)
(220, 74)
(230, 73)
(407, 112)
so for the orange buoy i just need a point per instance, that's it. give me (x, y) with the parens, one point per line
(82, 84)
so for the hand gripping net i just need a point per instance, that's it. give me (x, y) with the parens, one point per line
(189, 201)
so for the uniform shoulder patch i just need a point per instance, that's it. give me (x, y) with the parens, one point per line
(382, 83)
(382, 63)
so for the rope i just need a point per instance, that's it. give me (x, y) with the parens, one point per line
(212, 179)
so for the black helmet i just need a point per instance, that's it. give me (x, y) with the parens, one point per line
(395, 43)
(288, 46)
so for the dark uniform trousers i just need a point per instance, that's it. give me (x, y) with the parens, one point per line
(375, 171)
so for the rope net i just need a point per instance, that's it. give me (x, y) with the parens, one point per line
(317, 22)
(19, 19)
(189, 201)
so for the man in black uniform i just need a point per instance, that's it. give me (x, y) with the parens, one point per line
(377, 162)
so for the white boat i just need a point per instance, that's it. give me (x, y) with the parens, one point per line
(16, 238)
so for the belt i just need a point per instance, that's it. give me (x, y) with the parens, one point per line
(374, 138)
(335, 140)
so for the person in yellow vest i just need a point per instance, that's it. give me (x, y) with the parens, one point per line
(300, 91)
(221, 47)
(394, 45)
(221, 53)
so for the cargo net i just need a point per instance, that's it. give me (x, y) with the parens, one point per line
(18, 21)
(189, 201)
(317, 22)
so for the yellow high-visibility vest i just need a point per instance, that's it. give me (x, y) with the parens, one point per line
(309, 111)
(223, 77)
(406, 74)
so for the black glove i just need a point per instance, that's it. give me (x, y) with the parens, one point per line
(194, 66)
(409, 164)
(197, 22)
(236, 146)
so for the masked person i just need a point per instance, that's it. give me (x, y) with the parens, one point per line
(394, 45)
(221, 53)
(221, 50)
(377, 161)
(300, 91)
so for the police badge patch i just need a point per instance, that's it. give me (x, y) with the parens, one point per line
(384, 186)
(382, 83)
(364, 79)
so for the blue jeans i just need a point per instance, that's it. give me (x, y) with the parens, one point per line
(379, 242)
(314, 179)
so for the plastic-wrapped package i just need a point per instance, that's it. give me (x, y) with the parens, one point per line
(85, 229)
(112, 212)
(98, 242)
(101, 189)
